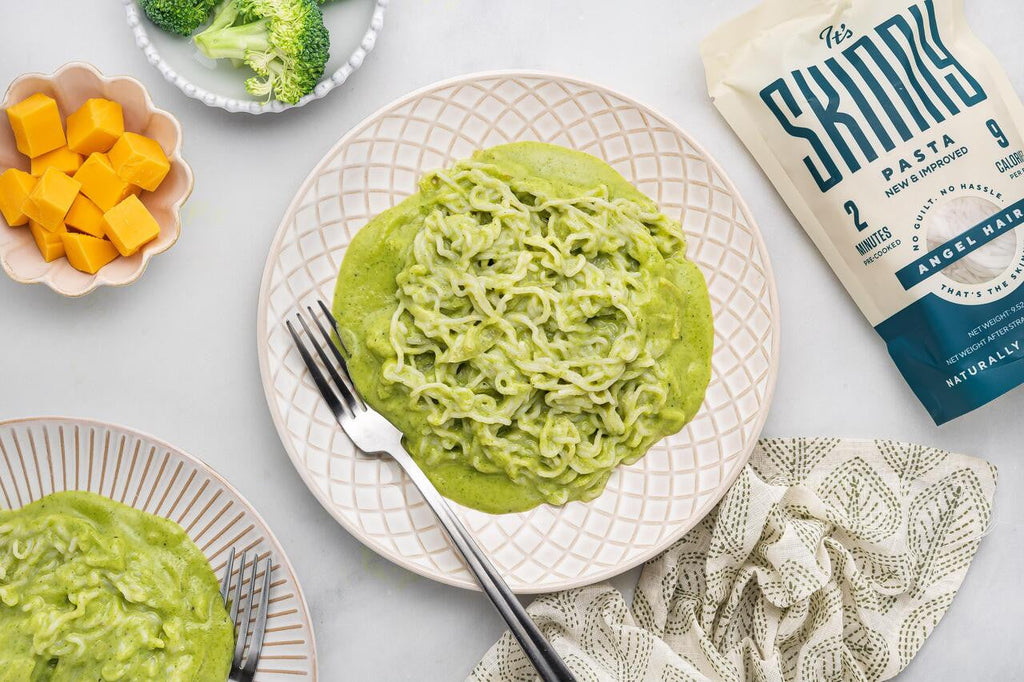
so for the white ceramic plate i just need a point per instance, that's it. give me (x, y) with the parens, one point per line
(354, 26)
(51, 454)
(645, 506)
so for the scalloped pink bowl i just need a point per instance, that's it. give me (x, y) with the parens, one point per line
(71, 85)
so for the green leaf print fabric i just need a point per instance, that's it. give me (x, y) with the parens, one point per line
(827, 560)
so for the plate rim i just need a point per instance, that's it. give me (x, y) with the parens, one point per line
(189, 457)
(326, 84)
(262, 348)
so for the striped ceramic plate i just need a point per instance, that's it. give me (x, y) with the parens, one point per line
(43, 455)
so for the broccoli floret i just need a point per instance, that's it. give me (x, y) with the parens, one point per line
(284, 41)
(178, 16)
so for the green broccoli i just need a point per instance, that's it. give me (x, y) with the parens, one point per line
(284, 41)
(178, 16)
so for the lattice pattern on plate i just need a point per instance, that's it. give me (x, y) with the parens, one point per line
(41, 456)
(646, 506)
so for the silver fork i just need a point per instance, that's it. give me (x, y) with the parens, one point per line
(245, 670)
(373, 434)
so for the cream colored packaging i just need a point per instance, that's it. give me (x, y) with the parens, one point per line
(895, 137)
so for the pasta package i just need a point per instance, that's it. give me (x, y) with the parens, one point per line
(895, 137)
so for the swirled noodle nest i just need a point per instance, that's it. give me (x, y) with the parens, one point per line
(91, 589)
(535, 325)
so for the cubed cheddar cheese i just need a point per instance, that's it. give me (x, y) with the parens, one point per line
(50, 244)
(80, 199)
(62, 158)
(85, 216)
(50, 199)
(87, 253)
(139, 160)
(15, 186)
(101, 184)
(36, 124)
(129, 225)
(96, 126)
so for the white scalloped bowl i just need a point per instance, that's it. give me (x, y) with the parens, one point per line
(354, 26)
(71, 85)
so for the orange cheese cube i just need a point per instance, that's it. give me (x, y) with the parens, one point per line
(140, 161)
(36, 125)
(15, 186)
(86, 253)
(50, 245)
(62, 158)
(85, 216)
(129, 225)
(100, 183)
(50, 199)
(105, 159)
(96, 126)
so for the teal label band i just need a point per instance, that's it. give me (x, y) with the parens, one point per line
(968, 241)
(958, 357)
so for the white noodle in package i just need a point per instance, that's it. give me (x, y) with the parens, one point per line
(895, 138)
(951, 219)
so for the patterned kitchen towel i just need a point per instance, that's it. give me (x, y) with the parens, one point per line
(828, 559)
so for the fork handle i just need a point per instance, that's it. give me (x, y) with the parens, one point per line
(537, 648)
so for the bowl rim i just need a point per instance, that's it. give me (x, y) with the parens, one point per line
(771, 380)
(327, 83)
(216, 475)
(175, 157)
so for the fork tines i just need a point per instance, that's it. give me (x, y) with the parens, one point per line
(343, 394)
(254, 641)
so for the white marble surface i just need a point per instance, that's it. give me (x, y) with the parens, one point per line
(174, 354)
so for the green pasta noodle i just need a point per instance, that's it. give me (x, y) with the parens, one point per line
(532, 327)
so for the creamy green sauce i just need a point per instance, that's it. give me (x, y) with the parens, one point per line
(647, 318)
(91, 589)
